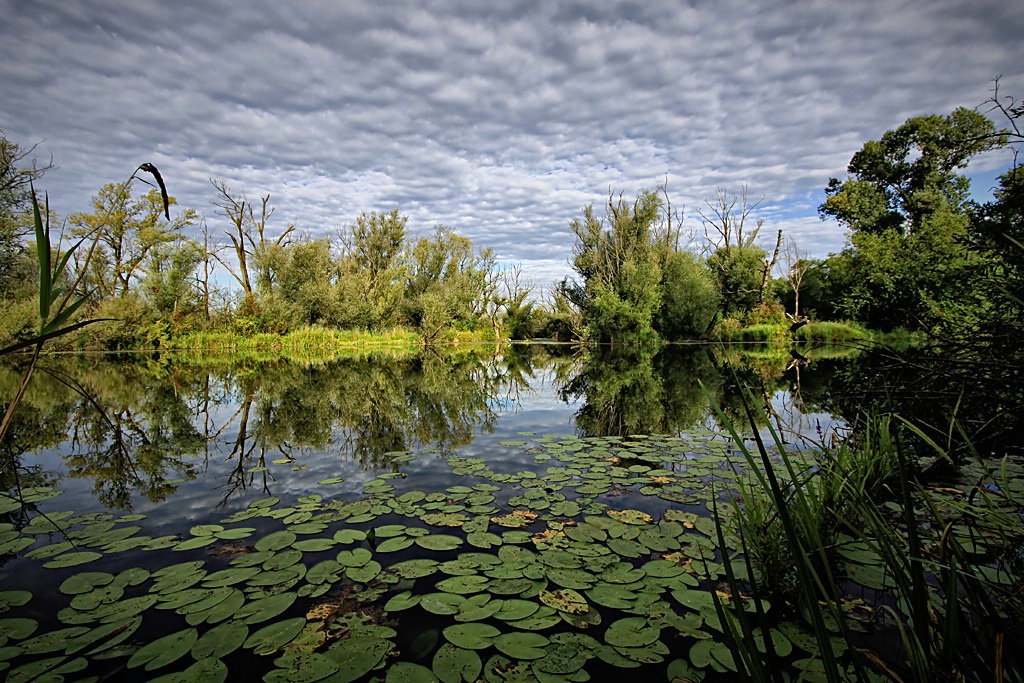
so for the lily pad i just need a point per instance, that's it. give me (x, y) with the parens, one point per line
(274, 636)
(471, 636)
(221, 640)
(356, 656)
(165, 650)
(565, 600)
(453, 664)
(631, 632)
(521, 645)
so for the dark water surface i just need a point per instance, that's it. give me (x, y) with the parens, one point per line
(284, 465)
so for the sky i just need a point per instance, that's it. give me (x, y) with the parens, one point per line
(500, 120)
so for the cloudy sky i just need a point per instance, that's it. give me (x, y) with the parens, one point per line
(501, 120)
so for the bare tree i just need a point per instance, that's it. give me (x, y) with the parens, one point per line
(728, 221)
(796, 264)
(245, 224)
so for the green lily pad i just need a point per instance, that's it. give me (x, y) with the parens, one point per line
(278, 540)
(17, 628)
(565, 600)
(305, 667)
(521, 645)
(631, 632)
(221, 640)
(104, 636)
(230, 576)
(314, 545)
(471, 636)
(453, 664)
(439, 542)
(9, 599)
(464, 585)
(207, 670)
(364, 574)
(357, 557)
(265, 608)
(165, 650)
(441, 603)
(395, 544)
(408, 672)
(274, 636)
(402, 601)
(356, 656)
(72, 559)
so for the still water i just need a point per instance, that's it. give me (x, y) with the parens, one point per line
(185, 439)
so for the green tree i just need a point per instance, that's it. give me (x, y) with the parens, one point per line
(375, 245)
(128, 229)
(690, 300)
(737, 265)
(445, 282)
(906, 207)
(170, 284)
(617, 259)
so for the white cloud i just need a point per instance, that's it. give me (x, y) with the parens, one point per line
(499, 121)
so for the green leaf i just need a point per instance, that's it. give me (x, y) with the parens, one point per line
(472, 636)
(631, 632)
(17, 628)
(265, 608)
(439, 542)
(221, 640)
(163, 651)
(456, 665)
(72, 559)
(275, 636)
(521, 645)
(407, 672)
(356, 656)
(565, 600)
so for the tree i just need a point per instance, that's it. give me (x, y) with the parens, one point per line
(16, 177)
(906, 207)
(796, 264)
(374, 246)
(616, 258)
(250, 242)
(127, 230)
(445, 282)
(169, 284)
(737, 265)
(690, 300)
(909, 174)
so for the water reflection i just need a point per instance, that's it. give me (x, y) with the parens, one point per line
(138, 430)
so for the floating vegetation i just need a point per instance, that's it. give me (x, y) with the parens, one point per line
(547, 575)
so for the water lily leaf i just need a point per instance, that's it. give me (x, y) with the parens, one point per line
(305, 667)
(73, 559)
(165, 650)
(364, 574)
(441, 603)
(17, 628)
(326, 571)
(123, 609)
(512, 610)
(265, 502)
(394, 544)
(472, 636)
(278, 577)
(439, 542)
(568, 653)
(218, 596)
(273, 637)
(106, 635)
(207, 670)
(445, 519)
(402, 601)
(346, 536)
(52, 641)
(265, 608)
(521, 645)
(230, 576)
(483, 539)
(235, 534)
(283, 560)
(195, 542)
(543, 619)
(221, 640)
(464, 585)
(314, 545)
(631, 632)
(98, 596)
(565, 600)
(408, 672)
(454, 664)
(356, 656)
(224, 610)
(278, 540)
(704, 651)
(415, 569)
(182, 598)
(357, 557)
(9, 599)
(613, 596)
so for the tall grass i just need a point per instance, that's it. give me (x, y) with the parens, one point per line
(953, 606)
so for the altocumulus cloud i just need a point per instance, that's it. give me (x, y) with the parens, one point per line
(501, 122)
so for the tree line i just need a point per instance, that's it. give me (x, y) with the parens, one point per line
(920, 255)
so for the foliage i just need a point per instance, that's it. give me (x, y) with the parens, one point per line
(690, 300)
